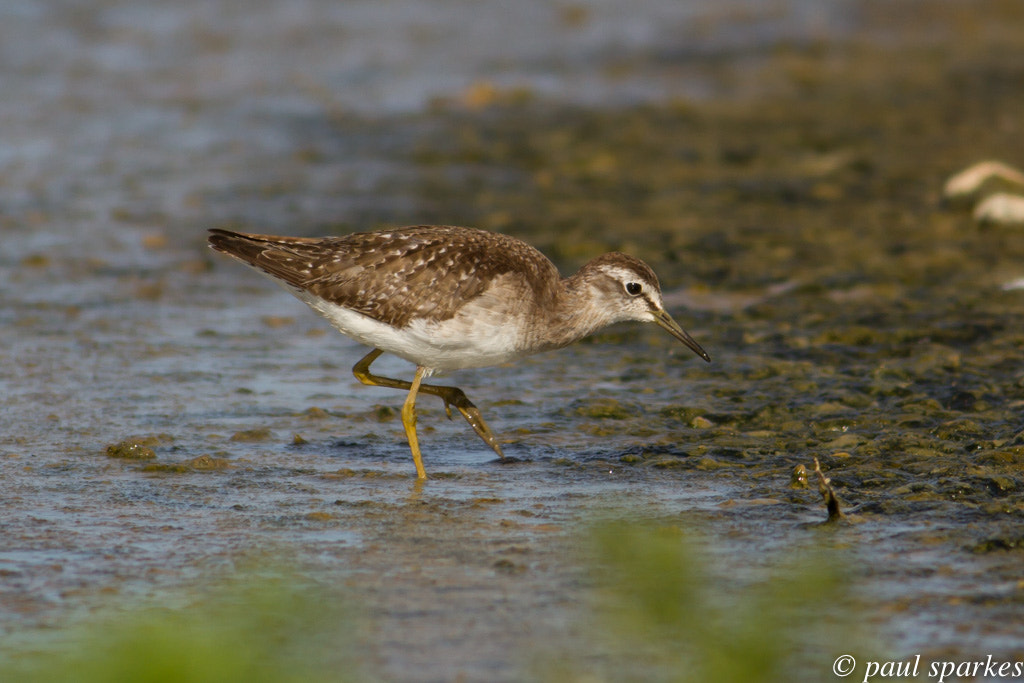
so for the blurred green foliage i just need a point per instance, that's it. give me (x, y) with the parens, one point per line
(665, 613)
(253, 629)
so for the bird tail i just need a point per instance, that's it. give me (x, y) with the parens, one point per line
(240, 245)
(248, 247)
(287, 259)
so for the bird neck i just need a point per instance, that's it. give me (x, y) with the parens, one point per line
(577, 312)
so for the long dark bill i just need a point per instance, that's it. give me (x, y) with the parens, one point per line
(666, 322)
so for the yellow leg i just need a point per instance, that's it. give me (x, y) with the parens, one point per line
(409, 422)
(452, 396)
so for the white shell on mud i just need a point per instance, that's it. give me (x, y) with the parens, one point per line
(1002, 208)
(1014, 284)
(970, 181)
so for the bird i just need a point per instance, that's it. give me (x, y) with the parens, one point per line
(447, 298)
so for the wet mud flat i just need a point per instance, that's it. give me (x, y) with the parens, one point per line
(169, 418)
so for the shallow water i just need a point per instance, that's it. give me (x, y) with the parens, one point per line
(850, 315)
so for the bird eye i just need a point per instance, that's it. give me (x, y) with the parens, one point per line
(634, 288)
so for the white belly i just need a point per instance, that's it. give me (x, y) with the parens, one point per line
(478, 336)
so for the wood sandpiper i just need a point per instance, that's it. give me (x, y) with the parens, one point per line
(447, 298)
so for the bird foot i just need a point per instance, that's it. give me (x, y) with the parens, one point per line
(457, 398)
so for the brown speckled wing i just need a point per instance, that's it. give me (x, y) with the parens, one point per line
(394, 276)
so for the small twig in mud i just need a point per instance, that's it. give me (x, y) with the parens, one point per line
(829, 495)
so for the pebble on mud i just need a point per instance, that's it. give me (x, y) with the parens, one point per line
(508, 567)
(130, 449)
(320, 516)
(137, 447)
(203, 463)
(208, 462)
(708, 463)
(602, 409)
(276, 321)
(35, 261)
(999, 543)
(382, 413)
(798, 478)
(252, 435)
